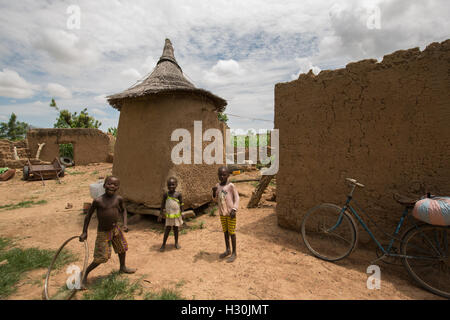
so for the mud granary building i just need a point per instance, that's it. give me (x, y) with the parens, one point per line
(149, 113)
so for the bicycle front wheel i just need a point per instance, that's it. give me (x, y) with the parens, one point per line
(328, 232)
(427, 260)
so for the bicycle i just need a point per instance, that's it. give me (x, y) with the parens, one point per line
(330, 233)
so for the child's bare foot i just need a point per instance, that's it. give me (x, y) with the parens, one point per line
(177, 246)
(83, 286)
(127, 270)
(225, 254)
(162, 248)
(232, 258)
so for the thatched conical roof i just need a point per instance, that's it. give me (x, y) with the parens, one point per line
(167, 77)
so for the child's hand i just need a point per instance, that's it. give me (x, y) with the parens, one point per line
(83, 237)
(125, 229)
(159, 218)
(233, 213)
(214, 189)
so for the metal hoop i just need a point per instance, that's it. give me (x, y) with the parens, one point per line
(47, 278)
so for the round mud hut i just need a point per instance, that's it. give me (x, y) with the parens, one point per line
(149, 112)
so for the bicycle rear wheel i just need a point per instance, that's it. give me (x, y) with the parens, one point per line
(328, 233)
(428, 261)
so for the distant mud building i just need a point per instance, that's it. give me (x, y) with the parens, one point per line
(149, 113)
(385, 124)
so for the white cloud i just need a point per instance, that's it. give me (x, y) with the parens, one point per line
(65, 47)
(98, 112)
(131, 74)
(101, 99)
(304, 66)
(149, 64)
(224, 71)
(58, 91)
(12, 85)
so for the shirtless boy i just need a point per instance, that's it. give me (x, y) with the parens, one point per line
(109, 206)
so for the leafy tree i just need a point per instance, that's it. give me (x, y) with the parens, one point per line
(68, 119)
(113, 131)
(13, 129)
(222, 117)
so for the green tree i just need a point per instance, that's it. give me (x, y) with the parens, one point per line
(13, 129)
(222, 117)
(67, 119)
(113, 131)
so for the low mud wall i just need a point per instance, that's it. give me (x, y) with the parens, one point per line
(90, 145)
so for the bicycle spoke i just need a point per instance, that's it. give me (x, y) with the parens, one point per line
(328, 233)
(426, 257)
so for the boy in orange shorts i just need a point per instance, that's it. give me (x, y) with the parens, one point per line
(227, 197)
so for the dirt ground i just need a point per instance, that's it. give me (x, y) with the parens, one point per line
(272, 262)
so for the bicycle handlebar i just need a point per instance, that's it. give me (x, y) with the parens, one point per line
(353, 181)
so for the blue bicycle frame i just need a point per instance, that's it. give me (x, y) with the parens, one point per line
(386, 251)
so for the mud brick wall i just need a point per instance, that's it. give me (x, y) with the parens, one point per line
(89, 145)
(7, 153)
(385, 124)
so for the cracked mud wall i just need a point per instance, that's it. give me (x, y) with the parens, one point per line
(142, 155)
(89, 145)
(385, 124)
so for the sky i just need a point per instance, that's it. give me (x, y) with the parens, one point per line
(78, 52)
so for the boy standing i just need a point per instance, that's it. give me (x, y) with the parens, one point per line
(108, 207)
(227, 198)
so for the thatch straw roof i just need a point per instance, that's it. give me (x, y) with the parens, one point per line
(166, 78)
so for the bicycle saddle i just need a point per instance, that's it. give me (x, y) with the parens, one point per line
(404, 200)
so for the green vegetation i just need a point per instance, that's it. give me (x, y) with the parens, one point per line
(261, 139)
(212, 212)
(73, 173)
(22, 204)
(13, 129)
(113, 131)
(113, 287)
(222, 117)
(164, 294)
(66, 150)
(67, 119)
(17, 261)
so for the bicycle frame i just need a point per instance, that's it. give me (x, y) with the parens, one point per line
(386, 251)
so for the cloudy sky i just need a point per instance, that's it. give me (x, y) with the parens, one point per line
(237, 49)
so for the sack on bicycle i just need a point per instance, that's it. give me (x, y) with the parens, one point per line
(435, 211)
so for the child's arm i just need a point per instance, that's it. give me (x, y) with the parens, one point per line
(125, 214)
(235, 201)
(87, 219)
(214, 190)
(163, 206)
(180, 198)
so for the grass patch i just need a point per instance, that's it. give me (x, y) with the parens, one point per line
(164, 294)
(212, 212)
(95, 172)
(22, 204)
(113, 287)
(200, 225)
(21, 260)
(73, 173)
